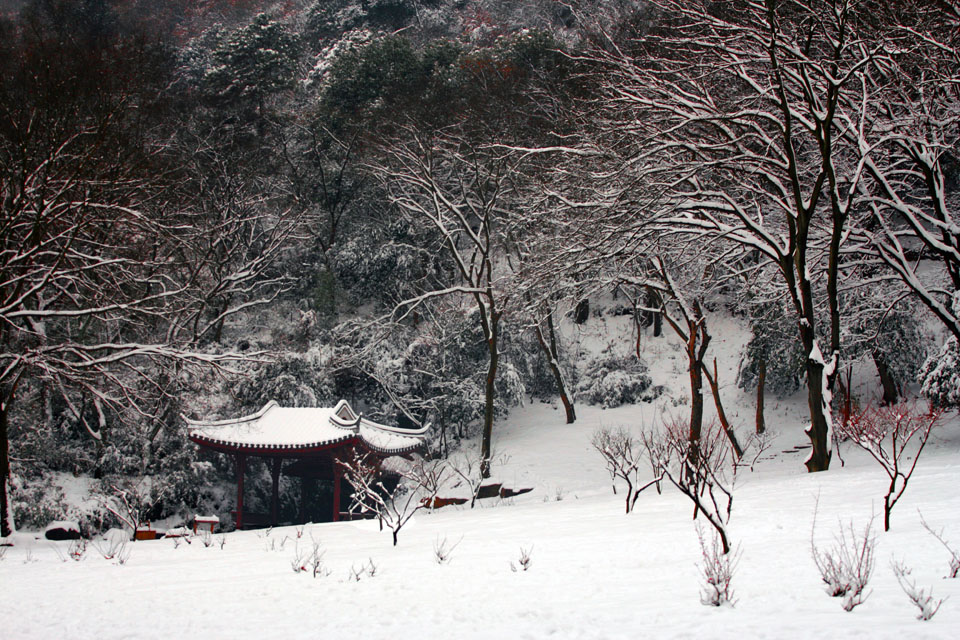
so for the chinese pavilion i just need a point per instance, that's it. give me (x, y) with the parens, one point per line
(300, 442)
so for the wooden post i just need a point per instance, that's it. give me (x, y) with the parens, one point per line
(241, 470)
(302, 517)
(275, 492)
(337, 474)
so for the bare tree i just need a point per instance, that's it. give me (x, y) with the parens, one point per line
(733, 121)
(907, 151)
(701, 477)
(624, 455)
(895, 436)
(418, 484)
(458, 188)
(107, 275)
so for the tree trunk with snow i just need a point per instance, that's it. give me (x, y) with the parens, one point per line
(891, 392)
(548, 344)
(761, 381)
(6, 508)
(490, 391)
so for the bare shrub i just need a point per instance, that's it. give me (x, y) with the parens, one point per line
(846, 567)
(111, 546)
(366, 570)
(299, 561)
(894, 436)
(75, 551)
(222, 541)
(310, 560)
(717, 568)
(757, 445)
(469, 468)
(419, 482)
(130, 499)
(442, 550)
(123, 555)
(697, 469)
(624, 456)
(206, 538)
(954, 554)
(524, 561)
(918, 596)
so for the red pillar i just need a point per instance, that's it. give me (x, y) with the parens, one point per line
(337, 474)
(303, 500)
(275, 494)
(241, 470)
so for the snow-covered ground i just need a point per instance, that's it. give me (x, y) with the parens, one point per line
(595, 572)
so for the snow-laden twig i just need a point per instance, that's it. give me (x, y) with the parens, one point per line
(920, 598)
(954, 553)
(847, 566)
(524, 561)
(443, 550)
(717, 569)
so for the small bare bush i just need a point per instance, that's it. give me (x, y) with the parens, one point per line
(206, 538)
(123, 555)
(717, 569)
(419, 482)
(624, 456)
(918, 596)
(111, 546)
(757, 445)
(894, 436)
(697, 469)
(954, 554)
(75, 551)
(309, 559)
(366, 570)
(443, 550)
(524, 561)
(846, 567)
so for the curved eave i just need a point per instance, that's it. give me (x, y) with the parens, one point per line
(391, 452)
(400, 431)
(273, 449)
(231, 421)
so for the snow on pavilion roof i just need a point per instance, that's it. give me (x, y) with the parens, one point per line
(297, 429)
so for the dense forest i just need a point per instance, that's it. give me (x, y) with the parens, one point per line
(208, 205)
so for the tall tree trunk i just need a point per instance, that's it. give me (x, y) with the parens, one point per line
(714, 382)
(490, 394)
(695, 364)
(761, 382)
(553, 359)
(7, 525)
(653, 318)
(818, 402)
(582, 312)
(891, 393)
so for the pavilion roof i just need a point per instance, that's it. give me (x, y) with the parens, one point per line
(288, 430)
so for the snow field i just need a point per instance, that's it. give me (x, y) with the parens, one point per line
(595, 572)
